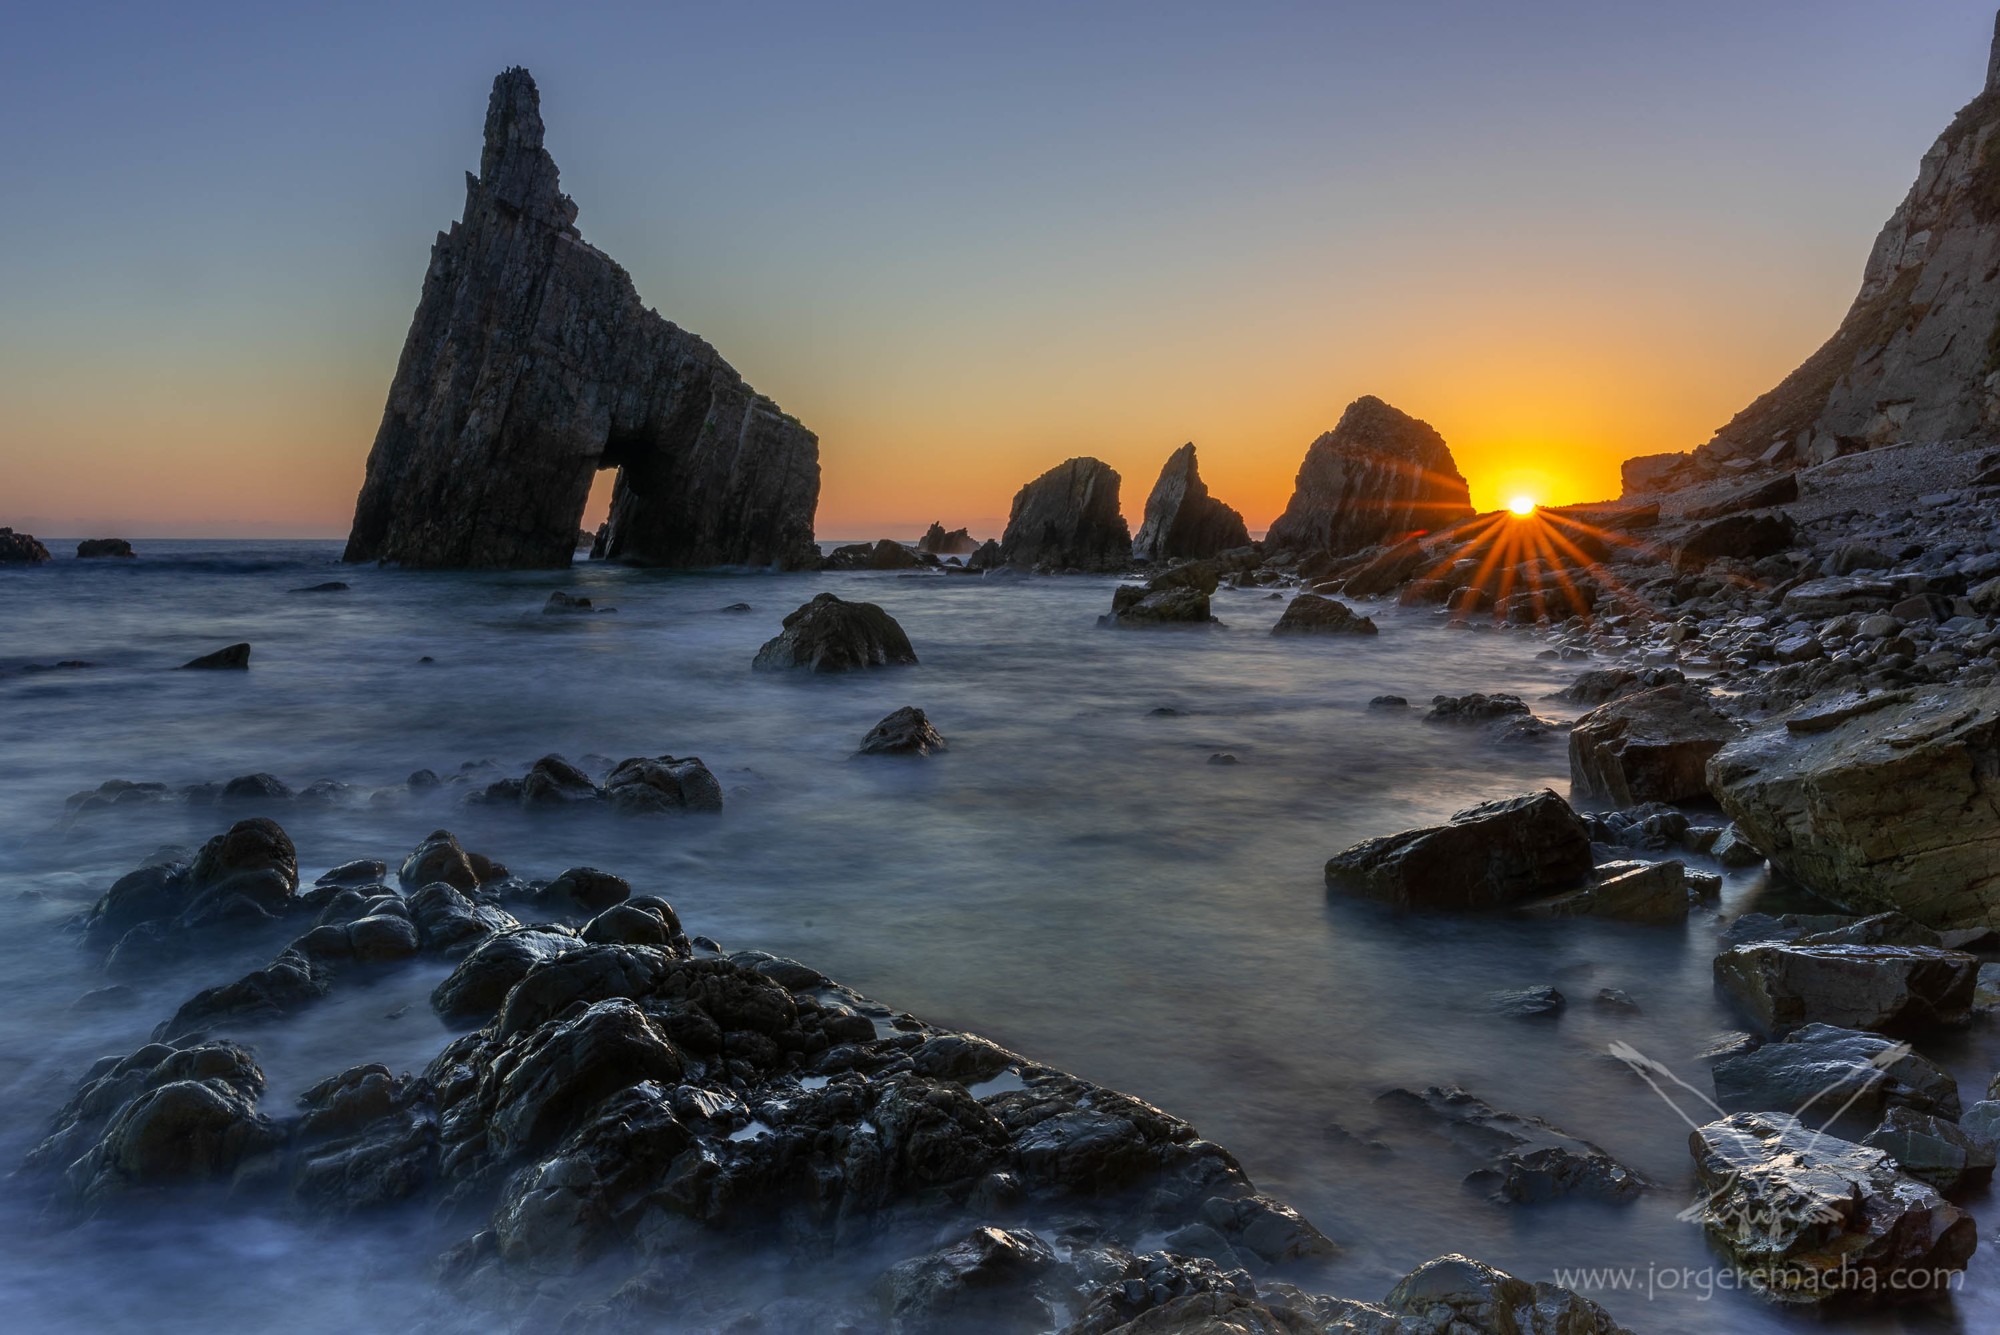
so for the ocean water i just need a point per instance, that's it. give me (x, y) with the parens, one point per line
(1073, 879)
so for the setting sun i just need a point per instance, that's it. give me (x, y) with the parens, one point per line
(1522, 505)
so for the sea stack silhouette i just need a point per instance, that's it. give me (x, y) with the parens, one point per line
(531, 365)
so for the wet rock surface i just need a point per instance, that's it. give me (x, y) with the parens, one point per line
(830, 634)
(1896, 989)
(1494, 854)
(1652, 746)
(907, 732)
(1310, 614)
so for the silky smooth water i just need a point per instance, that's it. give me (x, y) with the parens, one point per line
(1072, 879)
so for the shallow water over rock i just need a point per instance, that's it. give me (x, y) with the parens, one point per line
(1071, 879)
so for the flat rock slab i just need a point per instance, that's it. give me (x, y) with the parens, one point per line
(1896, 807)
(1895, 989)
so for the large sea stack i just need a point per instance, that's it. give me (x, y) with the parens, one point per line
(1182, 519)
(532, 364)
(1918, 355)
(1068, 519)
(1379, 475)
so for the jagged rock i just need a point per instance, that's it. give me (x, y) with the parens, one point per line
(663, 783)
(1914, 356)
(1182, 520)
(1600, 685)
(1821, 1220)
(1817, 1071)
(1494, 854)
(830, 634)
(1932, 1150)
(531, 364)
(1895, 808)
(1377, 476)
(936, 541)
(1649, 747)
(91, 548)
(21, 549)
(1745, 536)
(983, 1282)
(1896, 989)
(1179, 596)
(1454, 1293)
(885, 554)
(907, 732)
(1528, 1159)
(234, 656)
(480, 983)
(987, 557)
(1310, 614)
(1068, 519)
(248, 874)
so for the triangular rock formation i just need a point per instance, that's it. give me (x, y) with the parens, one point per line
(1918, 355)
(1068, 518)
(531, 364)
(1379, 475)
(1182, 519)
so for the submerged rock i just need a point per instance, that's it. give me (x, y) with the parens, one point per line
(1310, 614)
(1892, 808)
(1487, 856)
(531, 364)
(249, 874)
(1182, 520)
(1528, 1160)
(234, 656)
(885, 554)
(1179, 596)
(1378, 475)
(1932, 1150)
(830, 634)
(907, 732)
(1820, 1220)
(1068, 519)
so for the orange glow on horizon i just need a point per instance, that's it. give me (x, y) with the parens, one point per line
(1522, 505)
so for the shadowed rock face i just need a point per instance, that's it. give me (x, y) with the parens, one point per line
(1182, 519)
(530, 365)
(1915, 357)
(1377, 476)
(1068, 517)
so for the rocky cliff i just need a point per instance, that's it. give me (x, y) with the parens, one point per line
(1068, 518)
(1377, 476)
(1918, 355)
(1182, 519)
(532, 364)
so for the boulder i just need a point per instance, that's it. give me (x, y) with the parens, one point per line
(439, 857)
(1649, 747)
(662, 783)
(1932, 1150)
(1378, 476)
(1494, 854)
(830, 634)
(1893, 808)
(1179, 596)
(1385, 571)
(531, 364)
(248, 874)
(1820, 1071)
(1182, 520)
(1068, 519)
(560, 602)
(1820, 1220)
(92, 548)
(1747, 537)
(983, 1282)
(1311, 614)
(231, 657)
(477, 987)
(589, 889)
(1628, 891)
(21, 549)
(1895, 989)
(1456, 1293)
(1600, 685)
(937, 542)
(907, 732)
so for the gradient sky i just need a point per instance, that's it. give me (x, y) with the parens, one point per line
(961, 242)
